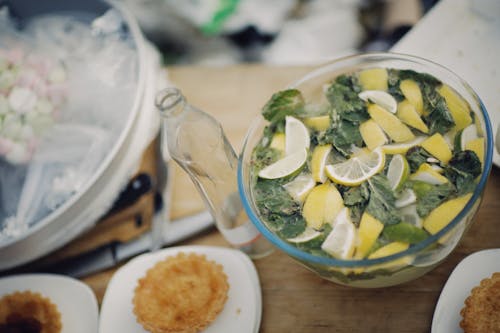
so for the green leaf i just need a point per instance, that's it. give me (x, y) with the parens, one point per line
(430, 196)
(356, 198)
(416, 156)
(393, 82)
(404, 232)
(343, 134)
(343, 96)
(273, 201)
(439, 119)
(382, 199)
(284, 103)
(292, 226)
(462, 170)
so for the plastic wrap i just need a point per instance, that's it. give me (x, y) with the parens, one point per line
(66, 91)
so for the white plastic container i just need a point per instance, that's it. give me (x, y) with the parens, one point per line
(85, 207)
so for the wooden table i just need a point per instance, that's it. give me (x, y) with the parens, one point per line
(294, 299)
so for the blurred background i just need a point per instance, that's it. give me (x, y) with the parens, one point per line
(281, 32)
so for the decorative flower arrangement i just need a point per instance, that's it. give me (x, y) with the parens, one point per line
(32, 92)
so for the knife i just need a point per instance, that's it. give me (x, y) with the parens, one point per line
(111, 254)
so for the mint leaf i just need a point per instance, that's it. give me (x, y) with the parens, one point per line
(284, 103)
(462, 170)
(416, 156)
(404, 232)
(356, 198)
(381, 203)
(430, 196)
(343, 96)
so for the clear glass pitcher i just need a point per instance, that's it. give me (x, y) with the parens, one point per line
(198, 144)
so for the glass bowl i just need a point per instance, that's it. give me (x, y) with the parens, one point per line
(418, 258)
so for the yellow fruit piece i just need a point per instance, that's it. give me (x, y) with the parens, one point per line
(409, 115)
(361, 166)
(391, 125)
(402, 148)
(320, 123)
(322, 205)
(278, 142)
(372, 134)
(427, 174)
(437, 146)
(318, 162)
(412, 93)
(300, 187)
(389, 249)
(458, 107)
(444, 214)
(340, 242)
(477, 146)
(368, 232)
(373, 79)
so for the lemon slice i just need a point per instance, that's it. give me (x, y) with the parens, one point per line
(318, 162)
(477, 146)
(381, 98)
(402, 148)
(445, 213)
(372, 134)
(398, 171)
(368, 232)
(437, 146)
(391, 124)
(322, 205)
(466, 135)
(296, 136)
(458, 107)
(406, 198)
(373, 79)
(427, 174)
(278, 142)
(340, 243)
(306, 236)
(411, 91)
(285, 166)
(409, 215)
(300, 187)
(319, 123)
(358, 168)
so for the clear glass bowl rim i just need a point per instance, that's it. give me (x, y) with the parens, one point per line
(307, 257)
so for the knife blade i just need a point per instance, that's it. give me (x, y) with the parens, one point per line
(110, 255)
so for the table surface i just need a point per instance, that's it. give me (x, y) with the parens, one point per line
(294, 299)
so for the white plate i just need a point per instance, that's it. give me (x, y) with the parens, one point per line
(468, 274)
(75, 300)
(241, 313)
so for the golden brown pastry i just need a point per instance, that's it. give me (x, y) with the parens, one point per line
(481, 313)
(183, 293)
(29, 312)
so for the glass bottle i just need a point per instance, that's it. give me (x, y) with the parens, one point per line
(198, 144)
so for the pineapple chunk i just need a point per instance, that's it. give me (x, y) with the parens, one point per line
(373, 79)
(369, 230)
(445, 213)
(391, 125)
(477, 146)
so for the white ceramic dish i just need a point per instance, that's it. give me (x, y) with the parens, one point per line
(241, 313)
(75, 300)
(468, 274)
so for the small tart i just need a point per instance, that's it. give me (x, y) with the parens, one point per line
(482, 308)
(26, 311)
(183, 293)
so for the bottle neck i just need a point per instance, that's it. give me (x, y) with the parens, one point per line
(170, 102)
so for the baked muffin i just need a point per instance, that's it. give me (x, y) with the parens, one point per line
(28, 312)
(481, 313)
(181, 294)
